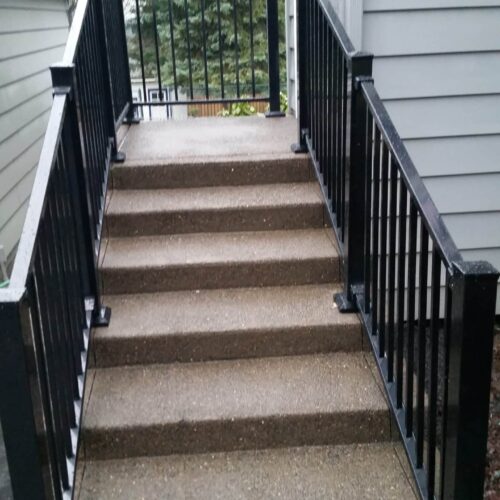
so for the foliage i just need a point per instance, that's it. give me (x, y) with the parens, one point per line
(283, 102)
(239, 109)
(187, 31)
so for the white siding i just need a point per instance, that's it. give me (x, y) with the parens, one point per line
(437, 68)
(32, 36)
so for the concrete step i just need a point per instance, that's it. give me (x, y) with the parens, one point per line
(234, 404)
(357, 472)
(218, 260)
(224, 324)
(198, 171)
(226, 208)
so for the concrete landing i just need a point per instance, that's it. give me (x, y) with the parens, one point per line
(206, 138)
(356, 472)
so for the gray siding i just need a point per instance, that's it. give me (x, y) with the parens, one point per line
(32, 36)
(437, 68)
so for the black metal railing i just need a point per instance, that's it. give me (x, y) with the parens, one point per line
(428, 315)
(199, 52)
(53, 297)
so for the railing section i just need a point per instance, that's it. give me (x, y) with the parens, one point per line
(205, 51)
(428, 314)
(53, 298)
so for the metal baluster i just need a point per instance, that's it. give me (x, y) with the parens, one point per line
(204, 36)
(188, 38)
(434, 344)
(383, 250)
(273, 57)
(391, 319)
(236, 50)
(368, 209)
(344, 146)
(252, 55)
(410, 344)
(401, 291)
(172, 48)
(221, 64)
(375, 230)
(422, 334)
(157, 49)
(338, 131)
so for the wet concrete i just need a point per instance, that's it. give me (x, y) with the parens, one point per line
(360, 472)
(206, 138)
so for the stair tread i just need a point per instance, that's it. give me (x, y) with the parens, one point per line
(214, 248)
(142, 201)
(156, 395)
(359, 472)
(205, 311)
(224, 323)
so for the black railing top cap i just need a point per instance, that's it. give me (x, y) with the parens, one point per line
(74, 32)
(340, 32)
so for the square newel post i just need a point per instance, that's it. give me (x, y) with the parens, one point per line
(473, 288)
(300, 146)
(130, 117)
(273, 54)
(16, 403)
(353, 258)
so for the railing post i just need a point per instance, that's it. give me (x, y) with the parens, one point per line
(473, 287)
(116, 156)
(273, 55)
(353, 258)
(131, 118)
(16, 406)
(64, 82)
(300, 43)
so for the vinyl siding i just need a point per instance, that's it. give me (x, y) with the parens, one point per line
(32, 36)
(437, 68)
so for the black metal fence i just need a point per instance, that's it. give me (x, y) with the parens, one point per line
(205, 51)
(53, 298)
(428, 314)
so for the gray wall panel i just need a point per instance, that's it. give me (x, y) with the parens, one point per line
(437, 68)
(32, 36)
(455, 155)
(437, 75)
(446, 116)
(398, 5)
(431, 31)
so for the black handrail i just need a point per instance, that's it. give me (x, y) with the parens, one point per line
(428, 315)
(205, 62)
(53, 297)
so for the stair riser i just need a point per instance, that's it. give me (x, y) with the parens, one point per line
(220, 275)
(297, 217)
(231, 173)
(240, 434)
(209, 346)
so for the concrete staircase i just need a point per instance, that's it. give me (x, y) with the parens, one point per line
(227, 372)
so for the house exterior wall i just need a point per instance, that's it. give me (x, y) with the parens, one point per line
(32, 36)
(437, 69)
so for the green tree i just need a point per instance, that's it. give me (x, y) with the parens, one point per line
(176, 19)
